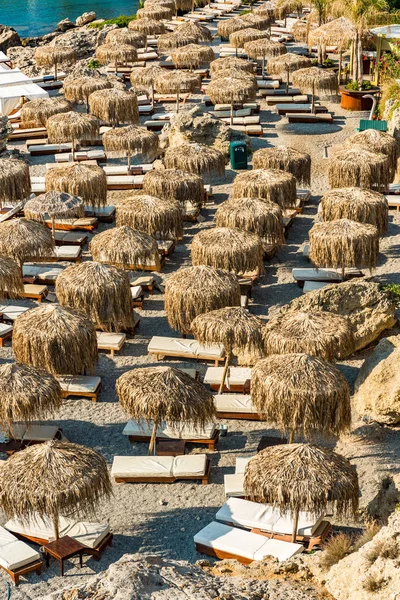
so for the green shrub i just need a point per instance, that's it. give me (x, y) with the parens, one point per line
(121, 21)
(393, 290)
(245, 12)
(314, 62)
(328, 63)
(355, 87)
(93, 64)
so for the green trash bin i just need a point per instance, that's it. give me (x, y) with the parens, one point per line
(238, 155)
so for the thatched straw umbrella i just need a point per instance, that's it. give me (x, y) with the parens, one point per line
(241, 37)
(164, 395)
(192, 291)
(230, 62)
(263, 48)
(344, 243)
(11, 284)
(250, 79)
(302, 477)
(230, 90)
(174, 184)
(270, 184)
(229, 26)
(78, 89)
(376, 141)
(265, 10)
(52, 56)
(315, 81)
(195, 158)
(119, 53)
(319, 333)
(159, 217)
(52, 205)
(234, 250)
(196, 30)
(36, 112)
(124, 247)
(339, 32)
(100, 291)
(176, 82)
(186, 5)
(358, 167)
(256, 215)
(233, 327)
(286, 159)
(126, 36)
(283, 8)
(58, 339)
(257, 21)
(147, 26)
(26, 393)
(15, 181)
(171, 41)
(301, 30)
(157, 13)
(114, 106)
(89, 182)
(146, 76)
(168, 3)
(72, 127)
(356, 204)
(282, 66)
(23, 240)
(49, 479)
(132, 140)
(192, 56)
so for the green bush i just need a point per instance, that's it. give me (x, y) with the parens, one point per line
(355, 87)
(245, 12)
(328, 63)
(121, 21)
(393, 289)
(93, 64)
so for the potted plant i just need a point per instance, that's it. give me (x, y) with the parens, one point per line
(352, 95)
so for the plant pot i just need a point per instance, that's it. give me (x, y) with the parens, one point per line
(353, 100)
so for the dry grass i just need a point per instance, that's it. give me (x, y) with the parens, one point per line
(114, 106)
(195, 158)
(358, 167)
(124, 247)
(21, 239)
(174, 184)
(285, 159)
(269, 184)
(89, 182)
(160, 218)
(335, 549)
(15, 181)
(366, 536)
(36, 112)
(356, 204)
(78, 89)
(72, 127)
(373, 583)
(280, 64)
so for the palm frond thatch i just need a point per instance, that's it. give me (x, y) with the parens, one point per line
(21, 239)
(192, 56)
(146, 76)
(116, 52)
(285, 159)
(339, 32)
(126, 36)
(269, 184)
(231, 89)
(356, 204)
(157, 13)
(123, 247)
(54, 205)
(159, 217)
(186, 5)
(102, 292)
(36, 112)
(229, 26)
(114, 106)
(192, 291)
(26, 393)
(234, 250)
(11, 283)
(301, 31)
(58, 339)
(358, 167)
(132, 139)
(279, 65)
(285, 7)
(174, 184)
(263, 47)
(344, 243)
(15, 181)
(230, 62)
(239, 38)
(89, 182)
(261, 217)
(147, 26)
(174, 40)
(376, 141)
(319, 333)
(78, 89)
(196, 30)
(315, 80)
(174, 82)
(168, 3)
(195, 158)
(302, 477)
(237, 75)
(49, 56)
(72, 126)
(265, 10)
(256, 21)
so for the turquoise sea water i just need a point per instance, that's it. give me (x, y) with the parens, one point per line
(37, 17)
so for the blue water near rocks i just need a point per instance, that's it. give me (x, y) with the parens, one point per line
(37, 17)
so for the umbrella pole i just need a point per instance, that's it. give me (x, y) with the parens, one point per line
(56, 525)
(287, 78)
(152, 95)
(295, 524)
(129, 161)
(73, 149)
(340, 66)
(55, 71)
(53, 228)
(227, 361)
(177, 102)
(263, 65)
(291, 436)
(313, 98)
(152, 445)
(232, 112)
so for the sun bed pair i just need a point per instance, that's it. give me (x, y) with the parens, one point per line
(82, 155)
(63, 253)
(209, 436)
(70, 238)
(293, 107)
(24, 134)
(235, 406)
(9, 313)
(81, 386)
(146, 282)
(237, 379)
(105, 214)
(251, 120)
(50, 149)
(124, 182)
(322, 275)
(160, 347)
(16, 557)
(255, 130)
(268, 84)
(161, 469)
(41, 275)
(113, 342)
(310, 118)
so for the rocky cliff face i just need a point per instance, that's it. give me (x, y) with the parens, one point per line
(8, 38)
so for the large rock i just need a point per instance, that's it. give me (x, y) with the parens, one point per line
(65, 25)
(24, 59)
(86, 18)
(377, 388)
(367, 306)
(372, 573)
(8, 38)
(5, 130)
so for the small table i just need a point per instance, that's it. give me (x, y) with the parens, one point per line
(170, 447)
(62, 549)
(268, 440)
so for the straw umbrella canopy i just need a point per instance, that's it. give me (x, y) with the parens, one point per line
(315, 81)
(168, 3)
(171, 41)
(192, 56)
(196, 30)
(195, 158)
(78, 89)
(147, 76)
(174, 184)
(319, 333)
(230, 62)
(114, 106)
(286, 159)
(26, 393)
(234, 250)
(22, 240)
(36, 112)
(187, 5)
(156, 395)
(257, 21)
(302, 477)
(265, 10)
(159, 217)
(239, 38)
(233, 327)
(52, 205)
(72, 127)
(49, 479)
(229, 26)
(52, 56)
(147, 26)
(230, 90)
(263, 48)
(123, 247)
(11, 284)
(192, 291)
(378, 142)
(256, 215)
(284, 65)
(339, 32)
(126, 36)
(89, 182)
(344, 243)
(132, 140)
(269, 184)
(116, 52)
(157, 13)
(301, 30)
(233, 73)
(176, 82)
(358, 167)
(100, 291)
(356, 204)
(15, 181)
(55, 338)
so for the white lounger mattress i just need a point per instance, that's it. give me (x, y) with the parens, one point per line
(236, 376)
(110, 341)
(164, 431)
(234, 485)
(232, 403)
(12, 312)
(245, 544)
(159, 466)
(78, 383)
(185, 347)
(17, 554)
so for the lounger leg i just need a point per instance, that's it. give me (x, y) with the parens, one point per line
(112, 353)
(2, 342)
(15, 579)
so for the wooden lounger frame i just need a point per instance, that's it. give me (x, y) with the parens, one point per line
(17, 573)
(177, 354)
(93, 395)
(210, 443)
(205, 479)
(139, 267)
(4, 337)
(238, 388)
(95, 552)
(202, 549)
(65, 227)
(244, 416)
(316, 539)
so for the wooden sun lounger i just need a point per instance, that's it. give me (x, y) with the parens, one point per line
(145, 282)
(82, 386)
(166, 247)
(113, 342)
(145, 267)
(237, 380)
(310, 541)
(210, 443)
(284, 109)
(70, 238)
(24, 134)
(120, 469)
(84, 224)
(34, 292)
(393, 201)
(13, 552)
(6, 332)
(136, 434)
(124, 182)
(105, 214)
(137, 296)
(310, 118)
(235, 406)
(281, 92)
(160, 347)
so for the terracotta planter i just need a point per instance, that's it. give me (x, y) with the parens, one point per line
(352, 100)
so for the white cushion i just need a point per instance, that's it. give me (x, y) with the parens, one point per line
(67, 251)
(241, 463)
(142, 466)
(79, 383)
(239, 403)
(31, 288)
(165, 245)
(89, 534)
(6, 537)
(165, 431)
(142, 281)
(236, 375)
(110, 341)
(136, 291)
(278, 549)
(17, 431)
(12, 312)
(16, 555)
(310, 286)
(40, 433)
(184, 347)
(189, 464)
(234, 485)
(4, 329)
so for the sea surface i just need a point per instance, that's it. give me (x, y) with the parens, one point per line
(37, 17)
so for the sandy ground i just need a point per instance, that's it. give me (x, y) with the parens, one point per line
(162, 519)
